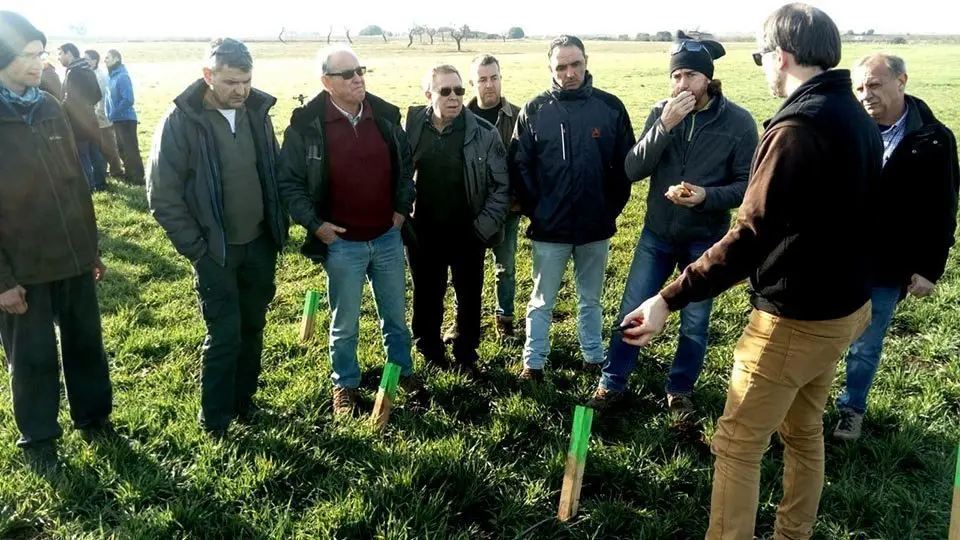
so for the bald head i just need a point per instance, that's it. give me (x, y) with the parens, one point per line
(880, 81)
(343, 77)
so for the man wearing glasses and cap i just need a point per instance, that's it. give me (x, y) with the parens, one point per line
(345, 176)
(696, 147)
(211, 186)
(462, 202)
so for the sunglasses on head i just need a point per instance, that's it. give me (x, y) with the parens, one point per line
(446, 90)
(348, 74)
(689, 45)
(758, 56)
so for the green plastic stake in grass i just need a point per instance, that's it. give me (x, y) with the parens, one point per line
(309, 320)
(576, 463)
(955, 513)
(385, 395)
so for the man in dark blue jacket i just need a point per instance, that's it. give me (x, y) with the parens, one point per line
(571, 142)
(120, 111)
(696, 148)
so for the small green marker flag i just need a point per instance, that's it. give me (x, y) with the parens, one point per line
(310, 304)
(576, 462)
(385, 395)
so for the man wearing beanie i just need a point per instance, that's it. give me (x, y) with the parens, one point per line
(696, 147)
(49, 262)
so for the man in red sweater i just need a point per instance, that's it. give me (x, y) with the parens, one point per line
(345, 174)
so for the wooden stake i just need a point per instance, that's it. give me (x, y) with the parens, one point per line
(955, 514)
(385, 395)
(576, 461)
(309, 315)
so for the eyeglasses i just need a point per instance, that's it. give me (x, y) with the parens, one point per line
(758, 56)
(689, 45)
(446, 90)
(348, 74)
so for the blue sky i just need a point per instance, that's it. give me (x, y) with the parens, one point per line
(174, 18)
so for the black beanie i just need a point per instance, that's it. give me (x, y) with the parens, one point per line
(16, 32)
(701, 60)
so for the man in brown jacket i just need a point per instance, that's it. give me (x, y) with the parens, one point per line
(49, 261)
(799, 237)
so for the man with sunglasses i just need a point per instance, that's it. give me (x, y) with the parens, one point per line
(696, 148)
(802, 237)
(49, 262)
(345, 176)
(462, 201)
(211, 186)
(571, 144)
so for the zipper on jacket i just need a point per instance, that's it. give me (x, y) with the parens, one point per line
(563, 140)
(53, 187)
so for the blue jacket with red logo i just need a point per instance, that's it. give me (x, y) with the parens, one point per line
(569, 148)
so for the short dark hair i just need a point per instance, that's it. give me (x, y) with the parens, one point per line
(116, 53)
(94, 55)
(228, 52)
(70, 48)
(485, 60)
(806, 32)
(566, 41)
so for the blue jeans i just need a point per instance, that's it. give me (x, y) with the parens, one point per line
(864, 354)
(505, 262)
(348, 265)
(84, 150)
(653, 262)
(98, 166)
(549, 264)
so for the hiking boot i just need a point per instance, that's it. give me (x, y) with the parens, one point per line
(439, 360)
(505, 331)
(681, 403)
(593, 369)
(850, 425)
(42, 459)
(101, 431)
(529, 374)
(604, 399)
(418, 398)
(468, 368)
(344, 401)
(251, 414)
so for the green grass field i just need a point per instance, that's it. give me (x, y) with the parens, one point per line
(487, 460)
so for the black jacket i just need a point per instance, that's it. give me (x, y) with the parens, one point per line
(304, 177)
(184, 187)
(916, 202)
(803, 231)
(81, 93)
(570, 149)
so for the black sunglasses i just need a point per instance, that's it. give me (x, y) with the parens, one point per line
(758, 56)
(446, 90)
(689, 45)
(348, 74)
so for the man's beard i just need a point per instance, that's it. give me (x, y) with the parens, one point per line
(778, 86)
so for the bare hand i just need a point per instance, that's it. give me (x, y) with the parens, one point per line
(920, 286)
(677, 109)
(328, 232)
(685, 194)
(14, 301)
(99, 270)
(398, 220)
(646, 321)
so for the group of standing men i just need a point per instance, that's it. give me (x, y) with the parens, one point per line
(826, 264)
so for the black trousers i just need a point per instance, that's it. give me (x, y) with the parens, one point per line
(438, 249)
(30, 343)
(233, 300)
(129, 147)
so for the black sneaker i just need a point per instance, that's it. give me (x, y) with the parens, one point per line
(101, 431)
(41, 459)
(418, 397)
(251, 414)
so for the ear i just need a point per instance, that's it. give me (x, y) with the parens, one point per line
(325, 81)
(783, 59)
(208, 76)
(429, 96)
(585, 58)
(903, 81)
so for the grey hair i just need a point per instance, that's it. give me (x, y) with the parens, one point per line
(228, 52)
(440, 69)
(894, 63)
(326, 56)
